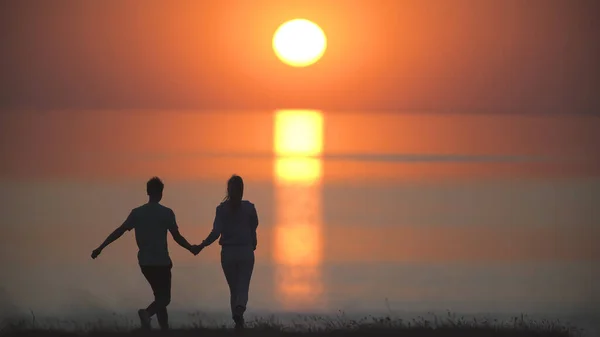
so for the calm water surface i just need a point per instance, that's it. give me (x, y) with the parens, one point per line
(360, 212)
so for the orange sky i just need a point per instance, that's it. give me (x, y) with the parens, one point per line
(457, 56)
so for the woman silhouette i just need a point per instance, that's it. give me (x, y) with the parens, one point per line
(235, 222)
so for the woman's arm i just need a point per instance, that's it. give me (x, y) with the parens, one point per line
(254, 224)
(216, 231)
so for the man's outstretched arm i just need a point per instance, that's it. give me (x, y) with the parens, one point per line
(117, 233)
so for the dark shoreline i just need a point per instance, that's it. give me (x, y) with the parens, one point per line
(321, 326)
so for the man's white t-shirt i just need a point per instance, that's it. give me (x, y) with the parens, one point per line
(151, 223)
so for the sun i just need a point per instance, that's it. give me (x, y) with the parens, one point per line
(299, 42)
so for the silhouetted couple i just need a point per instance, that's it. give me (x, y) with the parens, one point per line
(235, 223)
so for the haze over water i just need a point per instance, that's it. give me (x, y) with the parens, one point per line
(403, 211)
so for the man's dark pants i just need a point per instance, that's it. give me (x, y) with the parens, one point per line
(159, 278)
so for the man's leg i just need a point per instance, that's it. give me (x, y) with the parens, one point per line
(163, 297)
(145, 314)
(159, 278)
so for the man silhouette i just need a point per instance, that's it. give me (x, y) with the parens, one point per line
(151, 222)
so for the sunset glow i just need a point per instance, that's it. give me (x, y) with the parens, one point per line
(376, 163)
(299, 43)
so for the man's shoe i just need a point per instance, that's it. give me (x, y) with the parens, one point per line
(144, 319)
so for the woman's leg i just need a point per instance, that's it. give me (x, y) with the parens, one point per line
(231, 274)
(245, 268)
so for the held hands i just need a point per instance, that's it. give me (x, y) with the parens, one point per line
(196, 249)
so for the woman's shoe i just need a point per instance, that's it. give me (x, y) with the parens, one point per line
(238, 317)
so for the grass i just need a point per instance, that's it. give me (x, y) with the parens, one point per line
(311, 326)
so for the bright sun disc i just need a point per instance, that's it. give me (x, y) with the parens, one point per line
(299, 42)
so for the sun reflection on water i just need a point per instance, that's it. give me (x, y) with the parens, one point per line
(298, 225)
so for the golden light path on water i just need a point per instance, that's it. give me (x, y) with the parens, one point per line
(298, 239)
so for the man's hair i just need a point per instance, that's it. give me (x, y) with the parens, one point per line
(154, 186)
